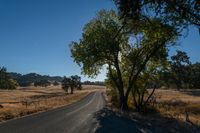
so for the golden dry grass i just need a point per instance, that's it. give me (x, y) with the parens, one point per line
(35, 99)
(181, 105)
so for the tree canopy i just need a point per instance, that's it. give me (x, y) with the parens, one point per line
(180, 13)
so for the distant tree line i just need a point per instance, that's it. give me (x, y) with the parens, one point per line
(72, 82)
(93, 83)
(55, 83)
(43, 83)
(181, 72)
(6, 82)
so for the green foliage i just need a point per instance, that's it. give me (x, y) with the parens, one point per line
(5, 80)
(97, 46)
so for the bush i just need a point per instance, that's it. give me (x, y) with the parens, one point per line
(114, 99)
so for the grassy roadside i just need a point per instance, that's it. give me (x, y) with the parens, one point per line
(181, 105)
(37, 100)
(168, 114)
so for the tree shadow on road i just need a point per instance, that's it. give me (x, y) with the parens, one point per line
(114, 122)
(111, 122)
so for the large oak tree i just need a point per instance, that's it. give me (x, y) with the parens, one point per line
(106, 42)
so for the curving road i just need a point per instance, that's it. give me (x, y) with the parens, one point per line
(74, 118)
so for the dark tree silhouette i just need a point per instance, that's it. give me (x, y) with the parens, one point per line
(72, 82)
(180, 68)
(66, 84)
(55, 83)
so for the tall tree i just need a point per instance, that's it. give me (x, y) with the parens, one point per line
(105, 42)
(180, 69)
(195, 75)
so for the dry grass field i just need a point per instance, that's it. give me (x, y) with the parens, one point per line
(28, 100)
(182, 105)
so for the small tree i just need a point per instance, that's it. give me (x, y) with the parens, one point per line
(55, 83)
(5, 80)
(72, 82)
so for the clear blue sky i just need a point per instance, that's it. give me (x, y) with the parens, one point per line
(35, 34)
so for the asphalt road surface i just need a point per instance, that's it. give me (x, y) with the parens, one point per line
(74, 118)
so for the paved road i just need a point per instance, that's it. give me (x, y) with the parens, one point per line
(75, 118)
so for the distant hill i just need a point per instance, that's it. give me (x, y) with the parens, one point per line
(27, 79)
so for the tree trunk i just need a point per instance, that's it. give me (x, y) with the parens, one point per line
(123, 103)
(178, 86)
(72, 90)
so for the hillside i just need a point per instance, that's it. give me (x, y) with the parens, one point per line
(27, 79)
